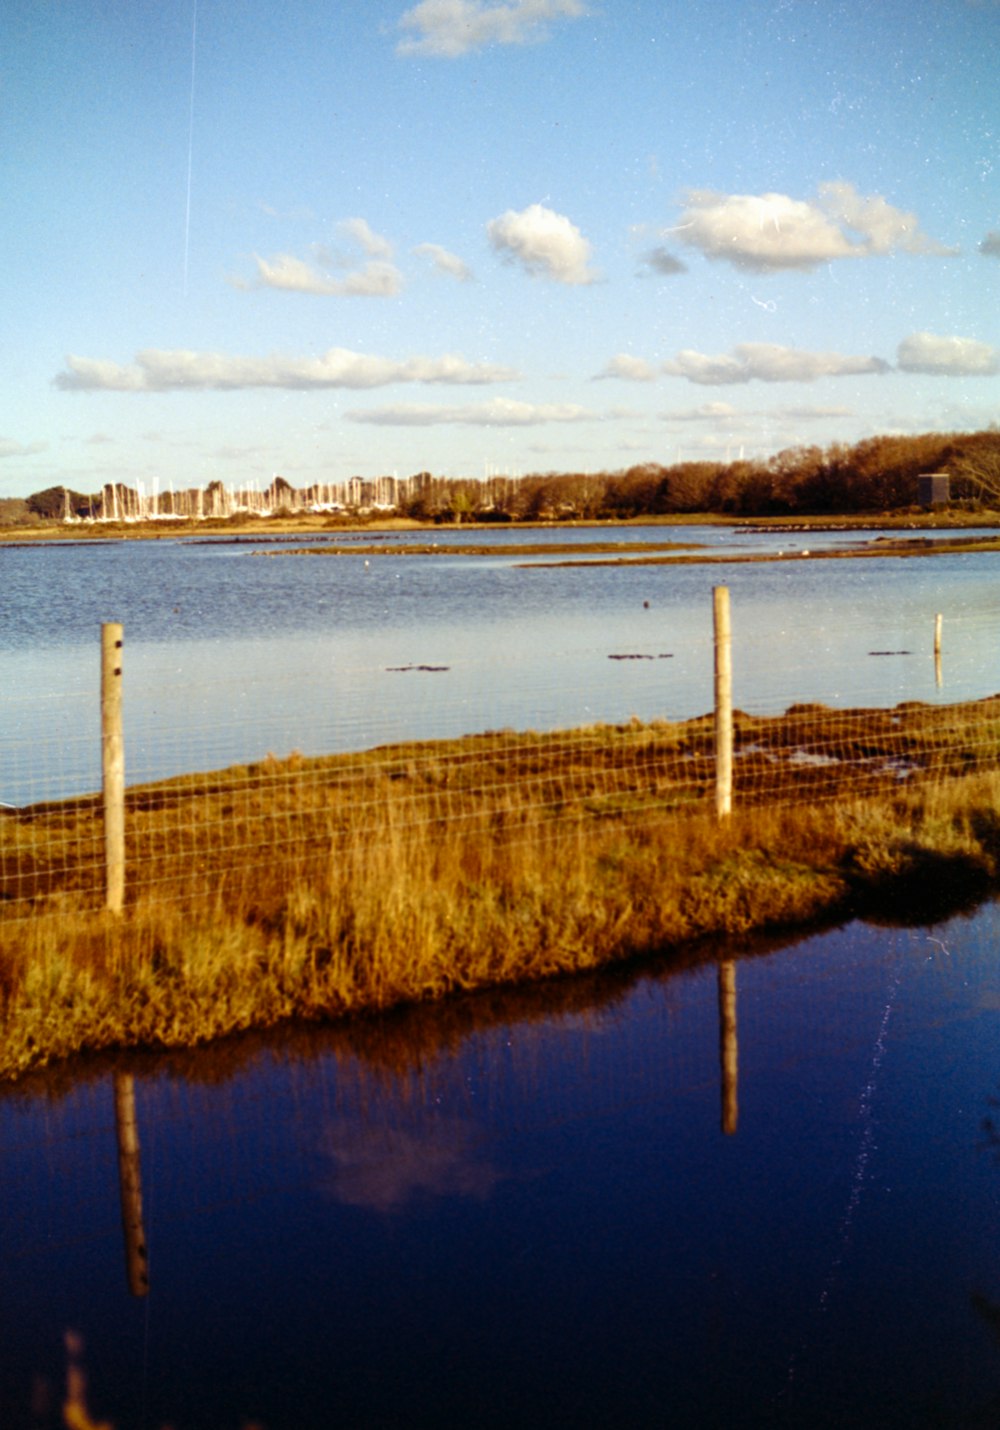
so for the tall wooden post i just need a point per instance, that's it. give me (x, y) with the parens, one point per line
(113, 766)
(728, 1046)
(723, 703)
(937, 648)
(130, 1184)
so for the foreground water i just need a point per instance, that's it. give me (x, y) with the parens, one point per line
(234, 650)
(764, 1192)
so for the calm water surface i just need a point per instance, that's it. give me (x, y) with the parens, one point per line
(523, 1210)
(599, 1203)
(234, 650)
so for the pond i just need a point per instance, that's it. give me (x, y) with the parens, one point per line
(757, 1191)
(234, 650)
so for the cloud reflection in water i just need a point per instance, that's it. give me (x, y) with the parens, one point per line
(383, 1168)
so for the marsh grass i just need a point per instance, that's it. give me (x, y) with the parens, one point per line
(322, 888)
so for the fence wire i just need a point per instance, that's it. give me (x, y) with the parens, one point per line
(214, 825)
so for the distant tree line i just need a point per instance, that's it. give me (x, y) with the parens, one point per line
(876, 475)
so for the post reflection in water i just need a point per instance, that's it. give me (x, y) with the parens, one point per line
(130, 1184)
(376, 1163)
(532, 1207)
(728, 1046)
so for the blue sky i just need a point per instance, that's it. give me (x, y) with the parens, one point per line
(326, 239)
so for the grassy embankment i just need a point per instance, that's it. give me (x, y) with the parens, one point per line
(326, 887)
(655, 553)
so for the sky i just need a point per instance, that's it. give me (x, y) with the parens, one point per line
(360, 237)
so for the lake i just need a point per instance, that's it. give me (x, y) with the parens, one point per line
(522, 1208)
(758, 1191)
(234, 650)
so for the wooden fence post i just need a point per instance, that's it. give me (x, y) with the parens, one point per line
(723, 703)
(113, 766)
(937, 649)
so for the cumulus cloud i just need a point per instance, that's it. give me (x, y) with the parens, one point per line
(333, 274)
(990, 245)
(544, 243)
(947, 357)
(500, 412)
(883, 229)
(451, 28)
(10, 448)
(628, 369)
(375, 279)
(444, 261)
(662, 261)
(364, 236)
(767, 362)
(156, 370)
(767, 232)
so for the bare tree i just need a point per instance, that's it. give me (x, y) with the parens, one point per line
(977, 468)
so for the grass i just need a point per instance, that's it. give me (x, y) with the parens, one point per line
(667, 553)
(324, 888)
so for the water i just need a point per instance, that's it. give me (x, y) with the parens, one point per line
(521, 1209)
(234, 650)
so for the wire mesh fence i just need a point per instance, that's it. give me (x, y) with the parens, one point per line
(197, 822)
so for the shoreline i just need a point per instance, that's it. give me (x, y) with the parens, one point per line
(353, 885)
(292, 528)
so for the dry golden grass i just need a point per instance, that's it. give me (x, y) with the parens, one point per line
(321, 888)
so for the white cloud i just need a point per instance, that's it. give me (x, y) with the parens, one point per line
(726, 412)
(364, 236)
(450, 28)
(499, 412)
(759, 232)
(767, 362)
(883, 229)
(767, 232)
(628, 369)
(707, 412)
(444, 261)
(376, 279)
(546, 244)
(156, 370)
(10, 448)
(948, 357)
